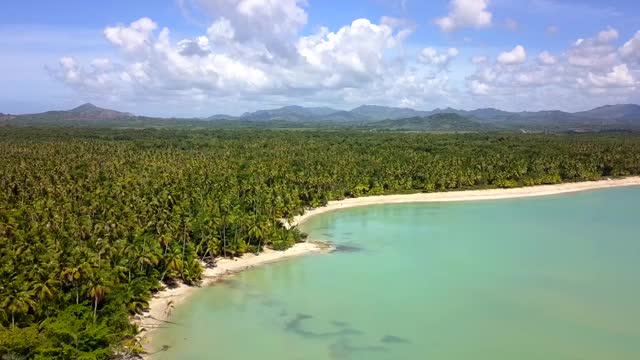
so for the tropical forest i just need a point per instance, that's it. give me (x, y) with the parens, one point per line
(95, 221)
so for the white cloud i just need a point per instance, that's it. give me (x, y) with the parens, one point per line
(477, 60)
(631, 49)
(133, 37)
(194, 47)
(608, 35)
(478, 87)
(591, 71)
(101, 64)
(357, 60)
(70, 69)
(466, 13)
(514, 57)
(528, 78)
(272, 24)
(596, 52)
(545, 58)
(619, 76)
(221, 31)
(353, 54)
(431, 56)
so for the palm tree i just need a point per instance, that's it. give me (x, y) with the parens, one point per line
(173, 262)
(45, 289)
(17, 301)
(96, 290)
(73, 275)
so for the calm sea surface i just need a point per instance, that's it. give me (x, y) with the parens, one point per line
(542, 278)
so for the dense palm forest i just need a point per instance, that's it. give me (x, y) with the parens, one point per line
(93, 221)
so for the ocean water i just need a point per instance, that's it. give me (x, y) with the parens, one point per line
(549, 278)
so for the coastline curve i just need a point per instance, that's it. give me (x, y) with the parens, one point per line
(467, 195)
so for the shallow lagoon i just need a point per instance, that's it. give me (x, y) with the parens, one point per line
(538, 278)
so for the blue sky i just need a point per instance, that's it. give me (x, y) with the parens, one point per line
(200, 57)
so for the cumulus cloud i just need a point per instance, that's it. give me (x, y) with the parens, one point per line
(133, 37)
(356, 60)
(195, 47)
(70, 69)
(221, 31)
(431, 56)
(631, 49)
(608, 35)
(101, 64)
(272, 24)
(595, 52)
(514, 57)
(619, 76)
(353, 54)
(591, 70)
(466, 13)
(545, 58)
(478, 88)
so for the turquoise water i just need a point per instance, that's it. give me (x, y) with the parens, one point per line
(541, 278)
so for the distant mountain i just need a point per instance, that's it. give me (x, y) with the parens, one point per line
(615, 112)
(86, 112)
(488, 113)
(90, 111)
(441, 122)
(603, 118)
(222, 117)
(342, 116)
(305, 114)
(376, 113)
(290, 113)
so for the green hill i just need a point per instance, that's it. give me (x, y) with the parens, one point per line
(445, 122)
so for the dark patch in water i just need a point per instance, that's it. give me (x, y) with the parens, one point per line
(339, 323)
(295, 326)
(343, 349)
(390, 339)
(328, 236)
(347, 248)
(284, 313)
(232, 284)
(296, 322)
(164, 348)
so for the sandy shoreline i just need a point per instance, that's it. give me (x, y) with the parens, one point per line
(163, 302)
(467, 195)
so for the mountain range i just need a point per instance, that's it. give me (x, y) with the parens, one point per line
(371, 117)
(623, 114)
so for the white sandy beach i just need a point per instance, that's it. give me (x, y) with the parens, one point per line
(163, 302)
(468, 195)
